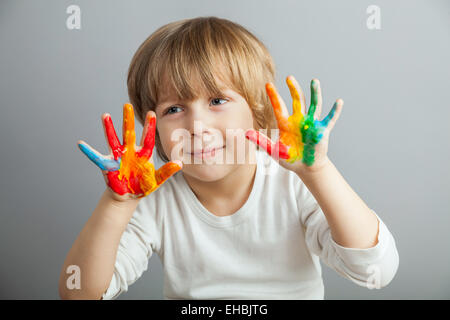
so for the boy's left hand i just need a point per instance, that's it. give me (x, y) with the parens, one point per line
(303, 141)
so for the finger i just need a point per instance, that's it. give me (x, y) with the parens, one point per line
(330, 120)
(167, 170)
(100, 160)
(315, 107)
(148, 135)
(129, 135)
(275, 150)
(111, 136)
(279, 108)
(298, 103)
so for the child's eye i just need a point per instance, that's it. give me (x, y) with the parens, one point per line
(171, 109)
(217, 100)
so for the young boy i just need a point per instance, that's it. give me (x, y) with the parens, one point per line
(237, 222)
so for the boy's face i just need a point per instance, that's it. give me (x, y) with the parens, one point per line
(189, 130)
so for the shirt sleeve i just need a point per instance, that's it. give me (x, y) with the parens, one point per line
(372, 267)
(139, 240)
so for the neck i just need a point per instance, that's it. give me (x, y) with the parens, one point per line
(225, 196)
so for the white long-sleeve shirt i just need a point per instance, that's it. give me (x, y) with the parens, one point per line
(268, 249)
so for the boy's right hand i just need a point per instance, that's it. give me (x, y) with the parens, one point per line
(129, 171)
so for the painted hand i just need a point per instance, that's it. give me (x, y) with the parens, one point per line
(303, 139)
(129, 170)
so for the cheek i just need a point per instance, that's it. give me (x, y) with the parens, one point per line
(247, 118)
(165, 138)
(173, 140)
(239, 118)
(237, 123)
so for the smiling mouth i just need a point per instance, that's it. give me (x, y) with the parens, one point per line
(206, 152)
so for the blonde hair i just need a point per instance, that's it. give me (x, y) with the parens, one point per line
(207, 47)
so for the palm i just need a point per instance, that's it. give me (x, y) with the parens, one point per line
(303, 140)
(129, 169)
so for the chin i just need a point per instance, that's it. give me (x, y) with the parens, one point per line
(207, 172)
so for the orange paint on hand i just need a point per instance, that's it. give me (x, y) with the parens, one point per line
(290, 135)
(131, 171)
(131, 164)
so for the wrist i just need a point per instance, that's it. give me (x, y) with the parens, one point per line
(316, 170)
(117, 211)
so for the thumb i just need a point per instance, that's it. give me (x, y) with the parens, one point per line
(167, 170)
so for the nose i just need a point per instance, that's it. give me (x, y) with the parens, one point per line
(202, 135)
(198, 119)
(201, 125)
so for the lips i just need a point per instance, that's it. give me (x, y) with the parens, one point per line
(206, 151)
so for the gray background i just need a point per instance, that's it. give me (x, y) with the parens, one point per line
(391, 142)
